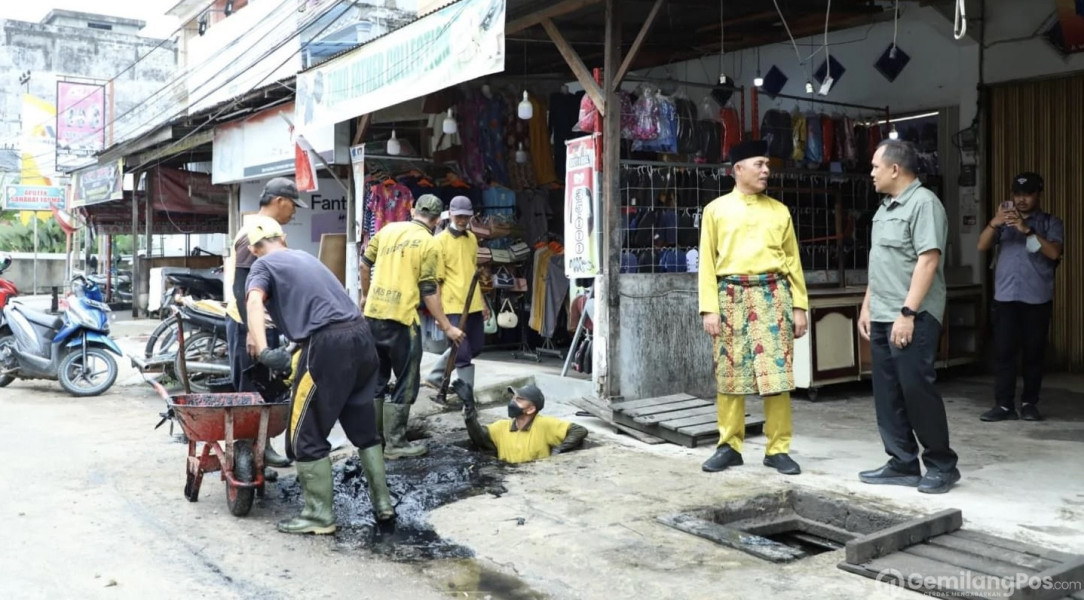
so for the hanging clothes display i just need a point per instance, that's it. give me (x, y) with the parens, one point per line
(542, 155)
(494, 150)
(471, 123)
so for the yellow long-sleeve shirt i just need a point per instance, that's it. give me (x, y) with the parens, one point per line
(747, 235)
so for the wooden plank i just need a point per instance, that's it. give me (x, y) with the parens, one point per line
(627, 404)
(583, 76)
(645, 28)
(1062, 577)
(752, 428)
(675, 424)
(698, 412)
(555, 10)
(912, 569)
(732, 538)
(1013, 545)
(597, 409)
(646, 438)
(880, 543)
(632, 413)
(986, 563)
(953, 541)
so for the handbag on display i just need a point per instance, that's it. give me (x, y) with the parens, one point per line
(491, 322)
(520, 285)
(501, 226)
(480, 227)
(485, 279)
(503, 279)
(485, 255)
(520, 251)
(501, 256)
(508, 318)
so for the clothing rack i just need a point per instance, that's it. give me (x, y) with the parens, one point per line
(755, 92)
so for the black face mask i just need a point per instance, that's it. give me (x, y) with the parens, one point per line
(514, 411)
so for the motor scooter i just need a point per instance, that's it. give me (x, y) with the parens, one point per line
(7, 292)
(72, 348)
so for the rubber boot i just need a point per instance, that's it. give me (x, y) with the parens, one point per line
(372, 461)
(378, 404)
(435, 376)
(395, 427)
(274, 459)
(466, 375)
(318, 515)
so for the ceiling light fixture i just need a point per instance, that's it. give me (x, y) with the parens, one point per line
(521, 154)
(526, 110)
(394, 146)
(758, 81)
(449, 126)
(893, 134)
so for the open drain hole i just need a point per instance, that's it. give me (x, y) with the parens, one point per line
(784, 527)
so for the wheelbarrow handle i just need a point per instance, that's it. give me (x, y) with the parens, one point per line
(161, 390)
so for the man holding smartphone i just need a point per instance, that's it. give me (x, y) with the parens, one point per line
(1029, 245)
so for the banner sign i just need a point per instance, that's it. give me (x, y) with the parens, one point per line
(34, 197)
(582, 208)
(187, 192)
(460, 42)
(357, 162)
(261, 146)
(80, 123)
(95, 185)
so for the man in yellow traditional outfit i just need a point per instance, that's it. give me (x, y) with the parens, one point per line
(753, 303)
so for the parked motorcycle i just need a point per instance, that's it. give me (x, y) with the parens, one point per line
(7, 292)
(72, 349)
(205, 345)
(198, 285)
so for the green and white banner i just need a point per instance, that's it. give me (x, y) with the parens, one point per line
(460, 42)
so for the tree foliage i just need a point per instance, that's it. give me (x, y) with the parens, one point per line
(16, 237)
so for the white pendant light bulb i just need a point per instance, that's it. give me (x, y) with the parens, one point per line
(521, 154)
(449, 126)
(893, 134)
(809, 87)
(394, 147)
(758, 81)
(526, 110)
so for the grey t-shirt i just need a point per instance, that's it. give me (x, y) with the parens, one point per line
(903, 228)
(302, 294)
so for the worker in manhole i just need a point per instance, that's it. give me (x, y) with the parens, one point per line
(459, 260)
(406, 260)
(525, 435)
(336, 373)
(753, 305)
(901, 317)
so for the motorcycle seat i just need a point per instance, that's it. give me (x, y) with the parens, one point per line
(42, 318)
(209, 308)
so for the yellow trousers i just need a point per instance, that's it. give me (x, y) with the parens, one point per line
(777, 421)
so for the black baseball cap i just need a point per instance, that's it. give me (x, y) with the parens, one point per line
(282, 187)
(1027, 183)
(530, 392)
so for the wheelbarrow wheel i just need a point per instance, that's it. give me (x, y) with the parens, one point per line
(244, 469)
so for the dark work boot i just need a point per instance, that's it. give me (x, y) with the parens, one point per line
(1030, 412)
(725, 457)
(783, 463)
(889, 475)
(936, 482)
(999, 413)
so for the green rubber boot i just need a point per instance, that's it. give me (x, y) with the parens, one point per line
(372, 461)
(395, 426)
(318, 515)
(378, 404)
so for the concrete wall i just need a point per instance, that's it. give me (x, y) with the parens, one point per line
(51, 271)
(52, 51)
(664, 349)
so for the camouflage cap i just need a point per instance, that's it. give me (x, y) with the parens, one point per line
(428, 205)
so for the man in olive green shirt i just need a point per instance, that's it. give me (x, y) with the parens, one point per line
(901, 317)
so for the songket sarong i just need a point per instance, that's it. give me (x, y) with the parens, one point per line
(755, 353)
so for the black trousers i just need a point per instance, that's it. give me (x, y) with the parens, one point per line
(240, 361)
(335, 381)
(400, 350)
(471, 346)
(1020, 328)
(906, 397)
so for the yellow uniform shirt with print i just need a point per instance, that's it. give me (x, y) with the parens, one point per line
(747, 235)
(403, 254)
(459, 260)
(524, 445)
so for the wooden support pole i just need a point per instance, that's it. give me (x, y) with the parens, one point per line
(608, 293)
(637, 43)
(583, 76)
(135, 246)
(550, 12)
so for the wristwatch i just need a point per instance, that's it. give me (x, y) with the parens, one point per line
(907, 312)
(1030, 232)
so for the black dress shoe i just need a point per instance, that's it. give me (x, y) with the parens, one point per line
(936, 482)
(888, 475)
(724, 458)
(782, 463)
(1030, 412)
(999, 413)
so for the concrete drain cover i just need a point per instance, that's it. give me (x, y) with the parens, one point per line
(784, 527)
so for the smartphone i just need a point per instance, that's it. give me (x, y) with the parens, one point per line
(1008, 205)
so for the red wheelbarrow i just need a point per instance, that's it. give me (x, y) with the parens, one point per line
(243, 422)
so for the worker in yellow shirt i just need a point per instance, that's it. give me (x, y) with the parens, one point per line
(406, 258)
(753, 304)
(525, 435)
(459, 263)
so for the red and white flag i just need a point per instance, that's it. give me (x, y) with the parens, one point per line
(304, 165)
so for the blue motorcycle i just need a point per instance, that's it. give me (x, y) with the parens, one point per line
(72, 349)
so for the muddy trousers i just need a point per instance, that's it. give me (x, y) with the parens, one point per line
(336, 380)
(400, 350)
(730, 409)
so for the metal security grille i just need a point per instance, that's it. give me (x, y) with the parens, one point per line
(1039, 125)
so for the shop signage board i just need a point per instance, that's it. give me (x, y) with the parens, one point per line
(95, 185)
(582, 234)
(261, 146)
(326, 213)
(460, 42)
(80, 123)
(34, 197)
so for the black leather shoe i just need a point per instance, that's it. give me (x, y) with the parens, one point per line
(999, 413)
(724, 458)
(936, 482)
(782, 463)
(1030, 412)
(887, 475)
